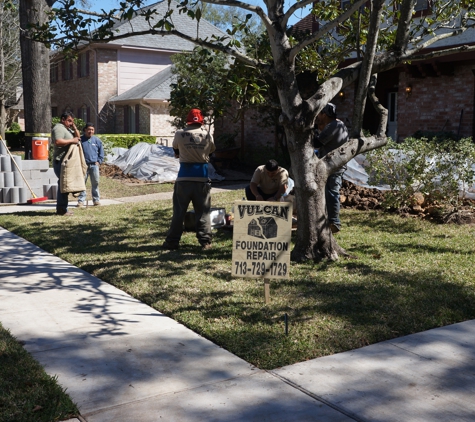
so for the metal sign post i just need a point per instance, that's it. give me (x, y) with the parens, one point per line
(261, 241)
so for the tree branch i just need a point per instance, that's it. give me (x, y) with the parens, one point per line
(324, 30)
(255, 9)
(404, 24)
(367, 67)
(99, 15)
(382, 111)
(292, 9)
(439, 53)
(438, 38)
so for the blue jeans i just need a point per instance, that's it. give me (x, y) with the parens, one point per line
(332, 196)
(93, 171)
(61, 198)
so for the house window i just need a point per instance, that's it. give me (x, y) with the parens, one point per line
(83, 113)
(67, 70)
(54, 111)
(131, 120)
(83, 65)
(54, 72)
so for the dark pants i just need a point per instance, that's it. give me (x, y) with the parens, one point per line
(199, 194)
(265, 196)
(332, 196)
(61, 198)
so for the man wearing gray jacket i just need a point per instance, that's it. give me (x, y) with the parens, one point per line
(332, 134)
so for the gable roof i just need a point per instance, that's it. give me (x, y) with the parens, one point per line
(181, 21)
(155, 88)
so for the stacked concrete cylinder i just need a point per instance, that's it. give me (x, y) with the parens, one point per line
(39, 177)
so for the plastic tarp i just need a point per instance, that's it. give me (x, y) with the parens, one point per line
(154, 163)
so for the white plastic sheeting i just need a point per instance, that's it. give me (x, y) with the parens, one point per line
(154, 163)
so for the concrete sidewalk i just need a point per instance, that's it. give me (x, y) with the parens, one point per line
(121, 360)
(51, 204)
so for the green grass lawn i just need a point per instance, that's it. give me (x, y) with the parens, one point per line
(27, 393)
(409, 276)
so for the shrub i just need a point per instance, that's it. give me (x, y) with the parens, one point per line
(125, 140)
(80, 123)
(441, 136)
(15, 127)
(15, 140)
(442, 171)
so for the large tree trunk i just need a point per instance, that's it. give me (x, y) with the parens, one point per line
(35, 67)
(314, 237)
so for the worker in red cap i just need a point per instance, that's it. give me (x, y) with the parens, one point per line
(192, 147)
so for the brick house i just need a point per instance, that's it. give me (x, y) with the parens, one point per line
(433, 95)
(123, 86)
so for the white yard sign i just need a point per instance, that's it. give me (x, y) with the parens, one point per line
(261, 239)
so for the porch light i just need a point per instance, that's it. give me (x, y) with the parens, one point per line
(408, 89)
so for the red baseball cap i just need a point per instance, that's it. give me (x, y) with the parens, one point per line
(194, 117)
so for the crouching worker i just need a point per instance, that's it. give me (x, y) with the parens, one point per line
(192, 146)
(268, 183)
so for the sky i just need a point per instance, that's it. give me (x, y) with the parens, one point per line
(110, 4)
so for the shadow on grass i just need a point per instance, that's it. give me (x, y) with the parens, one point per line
(326, 316)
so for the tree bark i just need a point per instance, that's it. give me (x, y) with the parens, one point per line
(35, 68)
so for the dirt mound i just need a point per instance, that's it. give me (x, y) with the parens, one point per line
(113, 172)
(360, 198)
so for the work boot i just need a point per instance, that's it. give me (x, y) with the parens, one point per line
(63, 211)
(334, 228)
(169, 246)
(80, 204)
(97, 203)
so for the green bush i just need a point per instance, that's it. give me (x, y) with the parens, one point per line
(15, 127)
(442, 171)
(78, 122)
(125, 140)
(441, 136)
(15, 140)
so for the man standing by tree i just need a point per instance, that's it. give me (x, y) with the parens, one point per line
(192, 146)
(332, 134)
(63, 135)
(94, 156)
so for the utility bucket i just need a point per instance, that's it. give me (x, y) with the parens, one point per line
(39, 148)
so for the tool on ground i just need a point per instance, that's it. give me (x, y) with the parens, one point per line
(35, 198)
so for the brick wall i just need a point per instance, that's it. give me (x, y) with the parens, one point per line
(75, 93)
(160, 122)
(107, 88)
(436, 103)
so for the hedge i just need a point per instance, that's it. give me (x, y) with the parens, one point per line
(125, 140)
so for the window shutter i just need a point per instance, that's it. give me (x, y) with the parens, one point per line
(137, 118)
(126, 119)
(87, 63)
(63, 70)
(78, 66)
(70, 69)
(88, 114)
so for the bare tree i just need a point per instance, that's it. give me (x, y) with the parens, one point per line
(10, 63)
(378, 35)
(35, 69)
